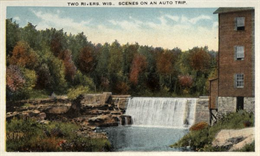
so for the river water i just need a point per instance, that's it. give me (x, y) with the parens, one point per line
(132, 138)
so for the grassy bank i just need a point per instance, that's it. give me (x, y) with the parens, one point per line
(201, 135)
(29, 135)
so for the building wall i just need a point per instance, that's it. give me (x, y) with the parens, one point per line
(249, 104)
(226, 104)
(202, 110)
(229, 104)
(228, 66)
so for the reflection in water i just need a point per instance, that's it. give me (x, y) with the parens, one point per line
(129, 138)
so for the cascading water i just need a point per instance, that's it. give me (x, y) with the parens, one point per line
(162, 112)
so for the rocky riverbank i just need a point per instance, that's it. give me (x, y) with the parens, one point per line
(89, 111)
(232, 132)
(234, 139)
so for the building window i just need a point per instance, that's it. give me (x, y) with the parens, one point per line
(240, 23)
(239, 80)
(239, 53)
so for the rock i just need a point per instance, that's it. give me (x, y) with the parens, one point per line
(75, 108)
(58, 110)
(120, 101)
(115, 113)
(234, 139)
(41, 116)
(241, 144)
(46, 122)
(35, 112)
(98, 118)
(106, 97)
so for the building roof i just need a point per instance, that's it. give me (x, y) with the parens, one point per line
(227, 10)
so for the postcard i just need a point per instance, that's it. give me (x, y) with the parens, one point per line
(129, 77)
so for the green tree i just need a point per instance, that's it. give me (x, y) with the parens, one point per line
(30, 35)
(13, 35)
(115, 65)
(76, 43)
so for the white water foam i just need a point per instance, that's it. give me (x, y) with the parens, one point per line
(162, 112)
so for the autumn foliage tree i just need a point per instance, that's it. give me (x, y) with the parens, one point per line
(87, 60)
(14, 78)
(138, 65)
(199, 59)
(70, 68)
(165, 62)
(58, 42)
(52, 61)
(23, 56)
(186, 82)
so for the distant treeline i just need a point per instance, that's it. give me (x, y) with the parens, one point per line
(40, 62)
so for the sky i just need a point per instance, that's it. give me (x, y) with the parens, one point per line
(168, 28)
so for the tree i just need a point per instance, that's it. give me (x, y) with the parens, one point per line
(186, 82)
(138, 65)
(76, 44)
(152, 78)
(121, 88)
(70, 68)
(58, 42)
(87, 59)
(24, 56)
(57, 71)
(30, 80)
(19, 82)
(129, 52)
(165, 64)
(30, 35)
(14, 78)
(83, 80)
(116, 59)
(12, 35)
(199, 59)
(44, 76)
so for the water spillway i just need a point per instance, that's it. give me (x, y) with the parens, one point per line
(162, 112)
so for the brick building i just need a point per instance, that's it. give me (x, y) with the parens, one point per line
(233, 89)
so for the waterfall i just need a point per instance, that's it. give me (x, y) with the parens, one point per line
(162, 112)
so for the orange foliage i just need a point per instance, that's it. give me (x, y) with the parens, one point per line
(164, 63)
(122, 88)
(138, 65)
(23, 56)
(48, 144)
(87, 59)
(185, 81)
(199, 126)
(199, 59)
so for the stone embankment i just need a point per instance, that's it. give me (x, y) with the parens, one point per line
(88, 110)
(234, 139)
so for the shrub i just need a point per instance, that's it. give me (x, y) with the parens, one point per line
(199, 126)
(28, 135)
(75, 92)
(35, 94)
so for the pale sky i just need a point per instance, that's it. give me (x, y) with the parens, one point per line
(158, 27)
